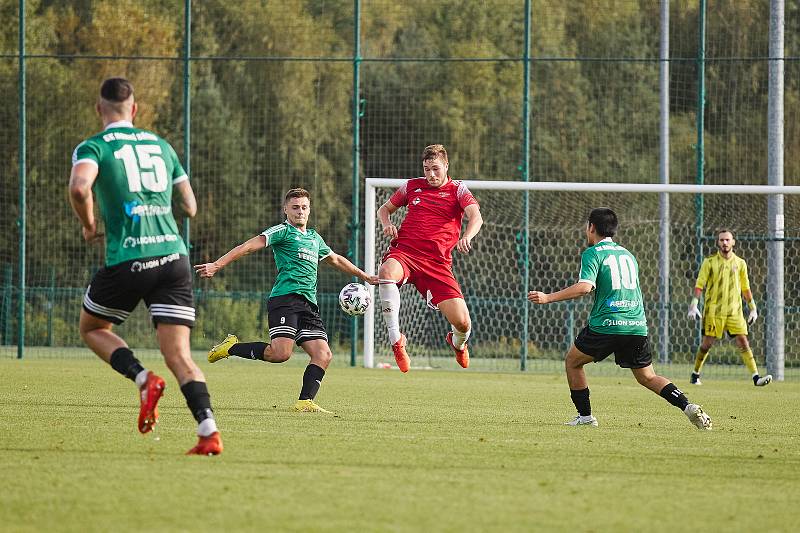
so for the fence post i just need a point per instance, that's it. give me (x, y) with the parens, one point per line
(526, 154)
(663, 198)
(51, 296)
(187, 105)
(21, 221)
(355, 218)
(8, 295)
(775, 324)
(700, 148)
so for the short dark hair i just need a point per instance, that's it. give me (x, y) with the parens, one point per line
(725, 230)
(604, 220)
(433, 151)
(297, 192)
(116, 90)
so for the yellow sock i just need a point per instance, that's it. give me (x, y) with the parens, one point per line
(699, 359)
(749, 361)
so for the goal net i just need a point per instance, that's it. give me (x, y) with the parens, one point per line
(532, 238)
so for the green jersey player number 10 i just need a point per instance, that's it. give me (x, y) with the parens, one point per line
(144, 167)
(623, 271)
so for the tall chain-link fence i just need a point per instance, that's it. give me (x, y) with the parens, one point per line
(265, 91)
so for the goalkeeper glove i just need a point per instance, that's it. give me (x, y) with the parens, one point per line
(753, 312)
(694, 312)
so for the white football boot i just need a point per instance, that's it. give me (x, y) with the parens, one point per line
(582, 421)
(697, 416)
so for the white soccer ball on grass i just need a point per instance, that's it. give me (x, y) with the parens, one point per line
(355, 299)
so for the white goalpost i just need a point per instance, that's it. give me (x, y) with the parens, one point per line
(533, 235)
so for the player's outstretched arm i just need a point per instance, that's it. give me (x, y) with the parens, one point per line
(80, 198)
(474, 223)
(342, 263)
(207, 270)
(574, 291)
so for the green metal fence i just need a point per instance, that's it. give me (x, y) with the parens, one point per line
(258, 97)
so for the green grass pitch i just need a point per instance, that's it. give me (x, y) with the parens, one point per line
(426, 451)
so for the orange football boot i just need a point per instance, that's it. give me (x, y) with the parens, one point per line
(400, 354)
(462, 356)
(149, 395)
(211, 445)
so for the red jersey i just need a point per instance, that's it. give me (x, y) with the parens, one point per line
(432, 225)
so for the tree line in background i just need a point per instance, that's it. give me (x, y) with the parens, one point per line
(262, 125)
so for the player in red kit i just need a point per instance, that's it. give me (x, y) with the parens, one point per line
(420, 252)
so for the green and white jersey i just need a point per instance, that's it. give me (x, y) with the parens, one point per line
(614, 273)
(136, 172)
(297, 256)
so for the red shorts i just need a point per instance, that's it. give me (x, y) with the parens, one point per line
(434, 281)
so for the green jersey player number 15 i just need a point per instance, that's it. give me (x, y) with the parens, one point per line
(137, 170)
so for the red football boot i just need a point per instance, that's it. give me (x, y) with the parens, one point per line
(149, 395)
(400, 354)
(462, 356)
(211, 445)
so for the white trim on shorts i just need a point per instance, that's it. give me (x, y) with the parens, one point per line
(182, 312)
(119, 314)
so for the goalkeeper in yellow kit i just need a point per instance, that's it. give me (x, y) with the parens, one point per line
(724, 278)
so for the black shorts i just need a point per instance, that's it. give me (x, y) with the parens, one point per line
(294, 317)
(163, 282)
(630, 351)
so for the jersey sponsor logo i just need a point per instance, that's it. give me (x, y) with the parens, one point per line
(616, 305)
(610, 322)
(145, 240)
(120, 136)
(443, 194)
(138, 266)
(308, 255)
(135, 210)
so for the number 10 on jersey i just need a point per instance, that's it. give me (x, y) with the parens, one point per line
(623, 271)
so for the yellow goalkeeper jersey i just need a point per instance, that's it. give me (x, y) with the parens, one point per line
(723, 281)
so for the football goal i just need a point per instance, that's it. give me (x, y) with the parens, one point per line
(532, 238)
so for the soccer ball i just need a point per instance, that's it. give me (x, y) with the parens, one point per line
(354, 299)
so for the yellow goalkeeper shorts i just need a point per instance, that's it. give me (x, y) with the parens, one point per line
(716, 326)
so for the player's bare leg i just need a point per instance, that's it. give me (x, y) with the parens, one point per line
(279, 350)
(320, 353)
(112, 349)
(389, 293)
(579, 387)
(456, 312)
(98, 336)
(647, 377)
(173, 340)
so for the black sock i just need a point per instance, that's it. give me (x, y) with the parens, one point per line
(123, 361)
(198, 400)
(675, 396)
(756, 378)
(581, 400)
(312, 379)
(248, 350)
